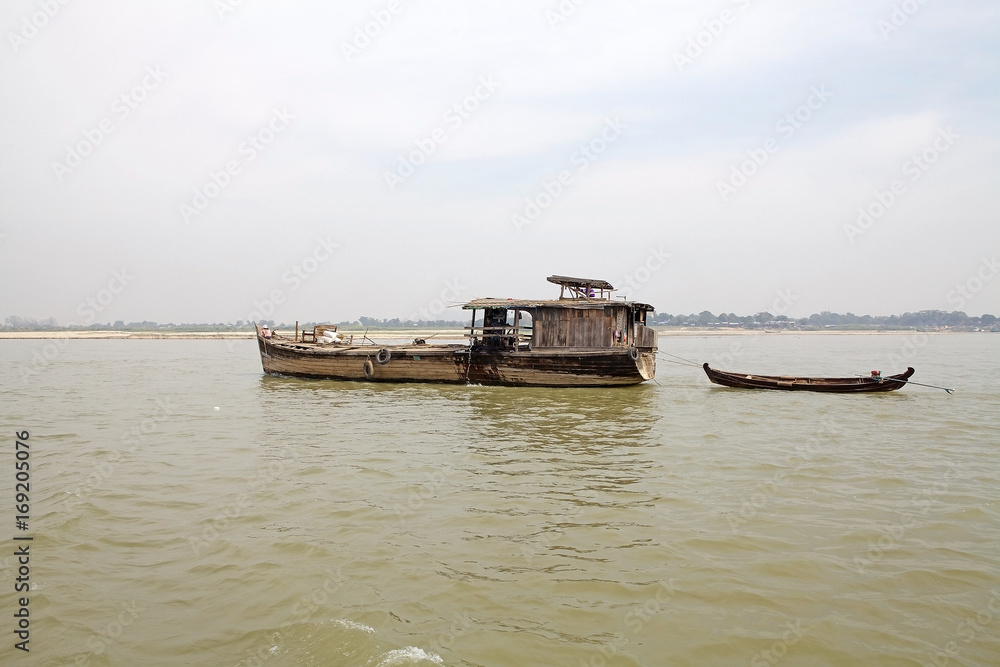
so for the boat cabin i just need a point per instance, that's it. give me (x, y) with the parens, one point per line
(583, 317)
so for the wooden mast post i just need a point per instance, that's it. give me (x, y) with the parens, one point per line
(517, 332)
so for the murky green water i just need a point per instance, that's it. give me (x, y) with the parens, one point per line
(323, 523)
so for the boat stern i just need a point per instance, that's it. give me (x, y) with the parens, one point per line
(646, 363)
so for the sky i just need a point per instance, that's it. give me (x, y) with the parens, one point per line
(224, 160)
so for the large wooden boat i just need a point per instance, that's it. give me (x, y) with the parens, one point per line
(875, 382)
(582, 339)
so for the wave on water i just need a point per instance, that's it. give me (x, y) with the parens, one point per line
(334, 641)
(408, 655)
(351, 625)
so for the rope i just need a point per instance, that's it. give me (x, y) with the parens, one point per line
(688, 361)
(678, 363)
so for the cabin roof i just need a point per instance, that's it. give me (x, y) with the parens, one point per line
(580, 282)
(552, 303)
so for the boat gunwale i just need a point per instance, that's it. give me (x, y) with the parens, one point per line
(441, 348)
(859, 384)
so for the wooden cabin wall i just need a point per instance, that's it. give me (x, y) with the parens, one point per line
(586, 327)
(573, 327)
(645, 336)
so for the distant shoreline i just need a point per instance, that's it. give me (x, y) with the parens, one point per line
(445, 334)
(135, 335)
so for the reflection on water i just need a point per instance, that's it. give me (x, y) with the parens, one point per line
(579, 441)
(584, 417)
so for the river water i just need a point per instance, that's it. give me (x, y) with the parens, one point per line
(187, 510)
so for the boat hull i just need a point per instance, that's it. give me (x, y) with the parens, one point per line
(544, 367)
(788, 383)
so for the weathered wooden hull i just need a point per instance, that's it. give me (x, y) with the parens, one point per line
(545, 367)
(563, 367)
(788, 383)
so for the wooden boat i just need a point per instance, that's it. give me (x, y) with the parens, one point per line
(581, 339)
(789, 383)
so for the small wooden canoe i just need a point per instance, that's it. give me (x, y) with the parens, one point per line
(790, 383)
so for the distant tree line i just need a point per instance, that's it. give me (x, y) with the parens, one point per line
(16, 323)
(395, 322)
(931, 319)
(925, 319)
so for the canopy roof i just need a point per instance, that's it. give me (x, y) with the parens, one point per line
(566, 281)
(582, 297)
(552, 303)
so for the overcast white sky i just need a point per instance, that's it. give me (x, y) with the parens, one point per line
(664, 120)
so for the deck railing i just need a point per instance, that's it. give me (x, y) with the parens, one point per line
(509, 332)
